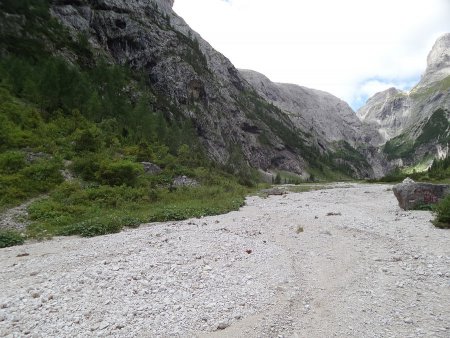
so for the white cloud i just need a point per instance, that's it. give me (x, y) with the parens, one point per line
(337, 46)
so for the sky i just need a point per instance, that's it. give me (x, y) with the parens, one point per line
(350, 48)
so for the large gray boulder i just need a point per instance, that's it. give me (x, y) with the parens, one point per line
(150, 168)
(411, 195)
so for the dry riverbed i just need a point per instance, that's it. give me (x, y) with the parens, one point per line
(341, 262)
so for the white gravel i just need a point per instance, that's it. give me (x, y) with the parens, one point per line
(372, 271)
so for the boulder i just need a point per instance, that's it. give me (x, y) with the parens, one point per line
(184, 181)
(411, 195)
(150, 168)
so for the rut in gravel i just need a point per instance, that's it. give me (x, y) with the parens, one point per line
(361, 267)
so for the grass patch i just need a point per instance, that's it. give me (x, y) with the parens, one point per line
(306, 187)
(74, 209)
(10, 238)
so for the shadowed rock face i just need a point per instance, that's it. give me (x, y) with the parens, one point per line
(411, 195)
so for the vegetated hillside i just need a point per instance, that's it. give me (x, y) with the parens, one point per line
(75, 126)
(415, 125)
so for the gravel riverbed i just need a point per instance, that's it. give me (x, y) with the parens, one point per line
(339, 262)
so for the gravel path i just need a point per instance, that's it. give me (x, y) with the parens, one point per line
(368, 269)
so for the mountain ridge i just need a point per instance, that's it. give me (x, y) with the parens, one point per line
(401, 117)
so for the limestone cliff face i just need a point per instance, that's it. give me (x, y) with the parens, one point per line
(387, 111)
(196, 80)
(438, 62)
(406, 121)
(320, 113)
(329, 120)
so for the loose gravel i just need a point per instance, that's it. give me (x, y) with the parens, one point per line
(361, 267)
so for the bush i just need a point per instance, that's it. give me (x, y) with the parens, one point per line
(87, 140)
(44, 174)
(87, 166)
(94, 227)
(119, 173)
(442, 211)
(100, 226)
(10, 238)
(11, 162)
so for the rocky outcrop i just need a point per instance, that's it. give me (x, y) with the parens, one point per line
(150, 168)
(414, 125)
(438, 62)
(412, 195)
(184, 181)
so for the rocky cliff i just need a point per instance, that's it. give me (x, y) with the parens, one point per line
(194, 79)
(325, 116)
(230, 115)
(331, 123)
(415, 126)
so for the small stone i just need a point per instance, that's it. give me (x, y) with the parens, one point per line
(222, 325)
(24, 254)
(35, 294)
(408, 320)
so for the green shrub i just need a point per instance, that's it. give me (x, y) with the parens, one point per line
(87, 140)
(10, 238)
(119, 173)
(11, 162)
(94, 227)
(44, 174)
(87, 166)
(442, 210)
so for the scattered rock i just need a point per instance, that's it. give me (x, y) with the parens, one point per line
(334, 214)
(150, 168)
(222, 325)
(184, 181)
(25, 254)
(33, 157)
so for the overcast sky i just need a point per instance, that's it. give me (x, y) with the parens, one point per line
(350, 48)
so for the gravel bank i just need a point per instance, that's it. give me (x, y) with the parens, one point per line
(361, 268)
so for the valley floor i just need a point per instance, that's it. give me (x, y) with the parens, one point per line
(361, 267)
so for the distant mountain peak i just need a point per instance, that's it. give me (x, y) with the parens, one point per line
(438, 61)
